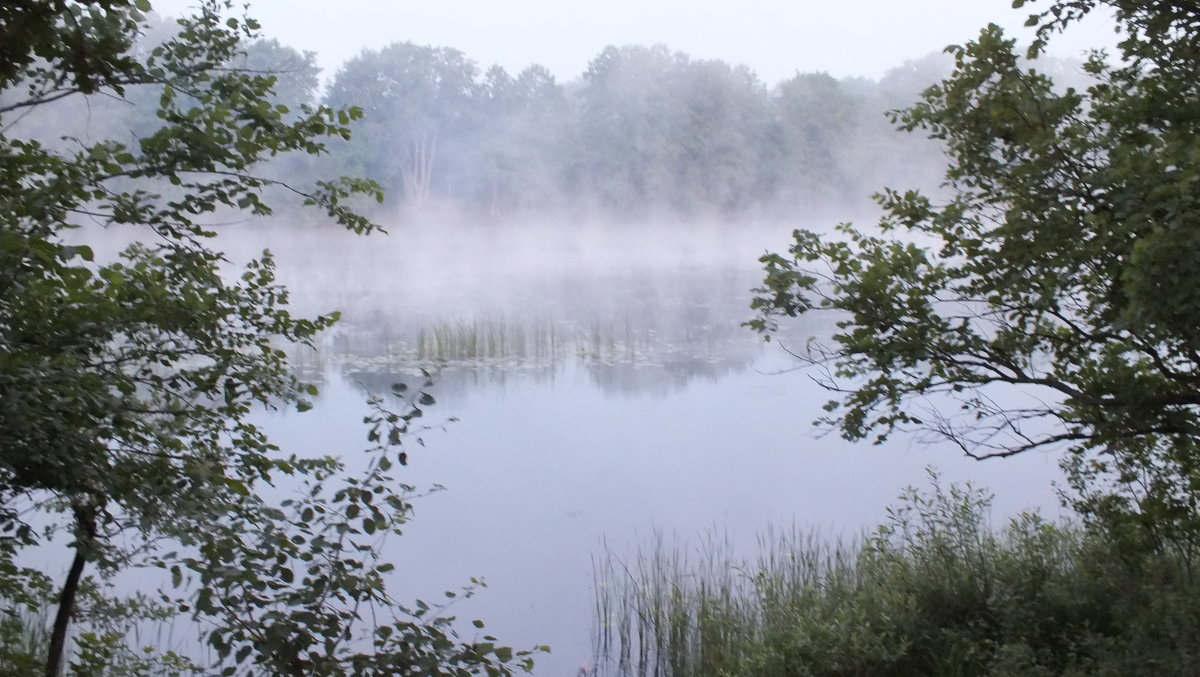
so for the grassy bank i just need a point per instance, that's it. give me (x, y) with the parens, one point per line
(936, 590)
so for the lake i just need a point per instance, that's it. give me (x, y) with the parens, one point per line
(604, 392)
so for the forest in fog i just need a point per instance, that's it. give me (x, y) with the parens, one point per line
(644, 132)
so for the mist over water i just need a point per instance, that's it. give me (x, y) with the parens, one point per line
(605, 392)
(503, 298)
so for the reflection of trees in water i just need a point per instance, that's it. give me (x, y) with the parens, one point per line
(614, 379)
(662, 342)
(620, 357)
(664, 378)
(637, 315)
(657, 353)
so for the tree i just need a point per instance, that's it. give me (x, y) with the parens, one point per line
(1050, 302)
(661, 131)
(628, 120)
(720, 137)
(417, 100)
(295, 72)
(126, 385)
(522, 148)
(815, 119)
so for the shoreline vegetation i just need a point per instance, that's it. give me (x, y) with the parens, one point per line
(934, 590)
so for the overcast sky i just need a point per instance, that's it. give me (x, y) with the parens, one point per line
(776, 38)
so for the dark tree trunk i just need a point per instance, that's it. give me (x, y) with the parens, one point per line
(85, 518)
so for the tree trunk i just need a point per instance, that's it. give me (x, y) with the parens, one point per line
(417, 172)
(85, 519)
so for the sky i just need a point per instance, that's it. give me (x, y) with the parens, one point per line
(775, 38)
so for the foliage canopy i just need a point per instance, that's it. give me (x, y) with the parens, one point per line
(1049, 302)
(127, 385)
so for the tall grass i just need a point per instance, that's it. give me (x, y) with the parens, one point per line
(935, 590)
(682, 613)
(24, 638)
(486, 339)
(491, 340)
(120, 638)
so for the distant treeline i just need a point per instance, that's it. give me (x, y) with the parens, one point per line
(644, 131)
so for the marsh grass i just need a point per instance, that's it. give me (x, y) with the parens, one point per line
(489, 340)
(687, 608)
(24, 637)
(935, 590)
(121, 637)
(537, 342)
(498, 345)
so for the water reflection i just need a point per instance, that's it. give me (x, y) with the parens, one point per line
(602, 391)
(622, 359)
(647, 316)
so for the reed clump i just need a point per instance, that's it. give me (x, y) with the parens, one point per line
(488, 339)
(935, 590)
(493, 340)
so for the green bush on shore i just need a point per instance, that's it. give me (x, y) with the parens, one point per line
(935, 590)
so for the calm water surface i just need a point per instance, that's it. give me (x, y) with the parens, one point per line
(609, 394)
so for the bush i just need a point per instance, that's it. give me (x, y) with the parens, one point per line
(935, 590)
